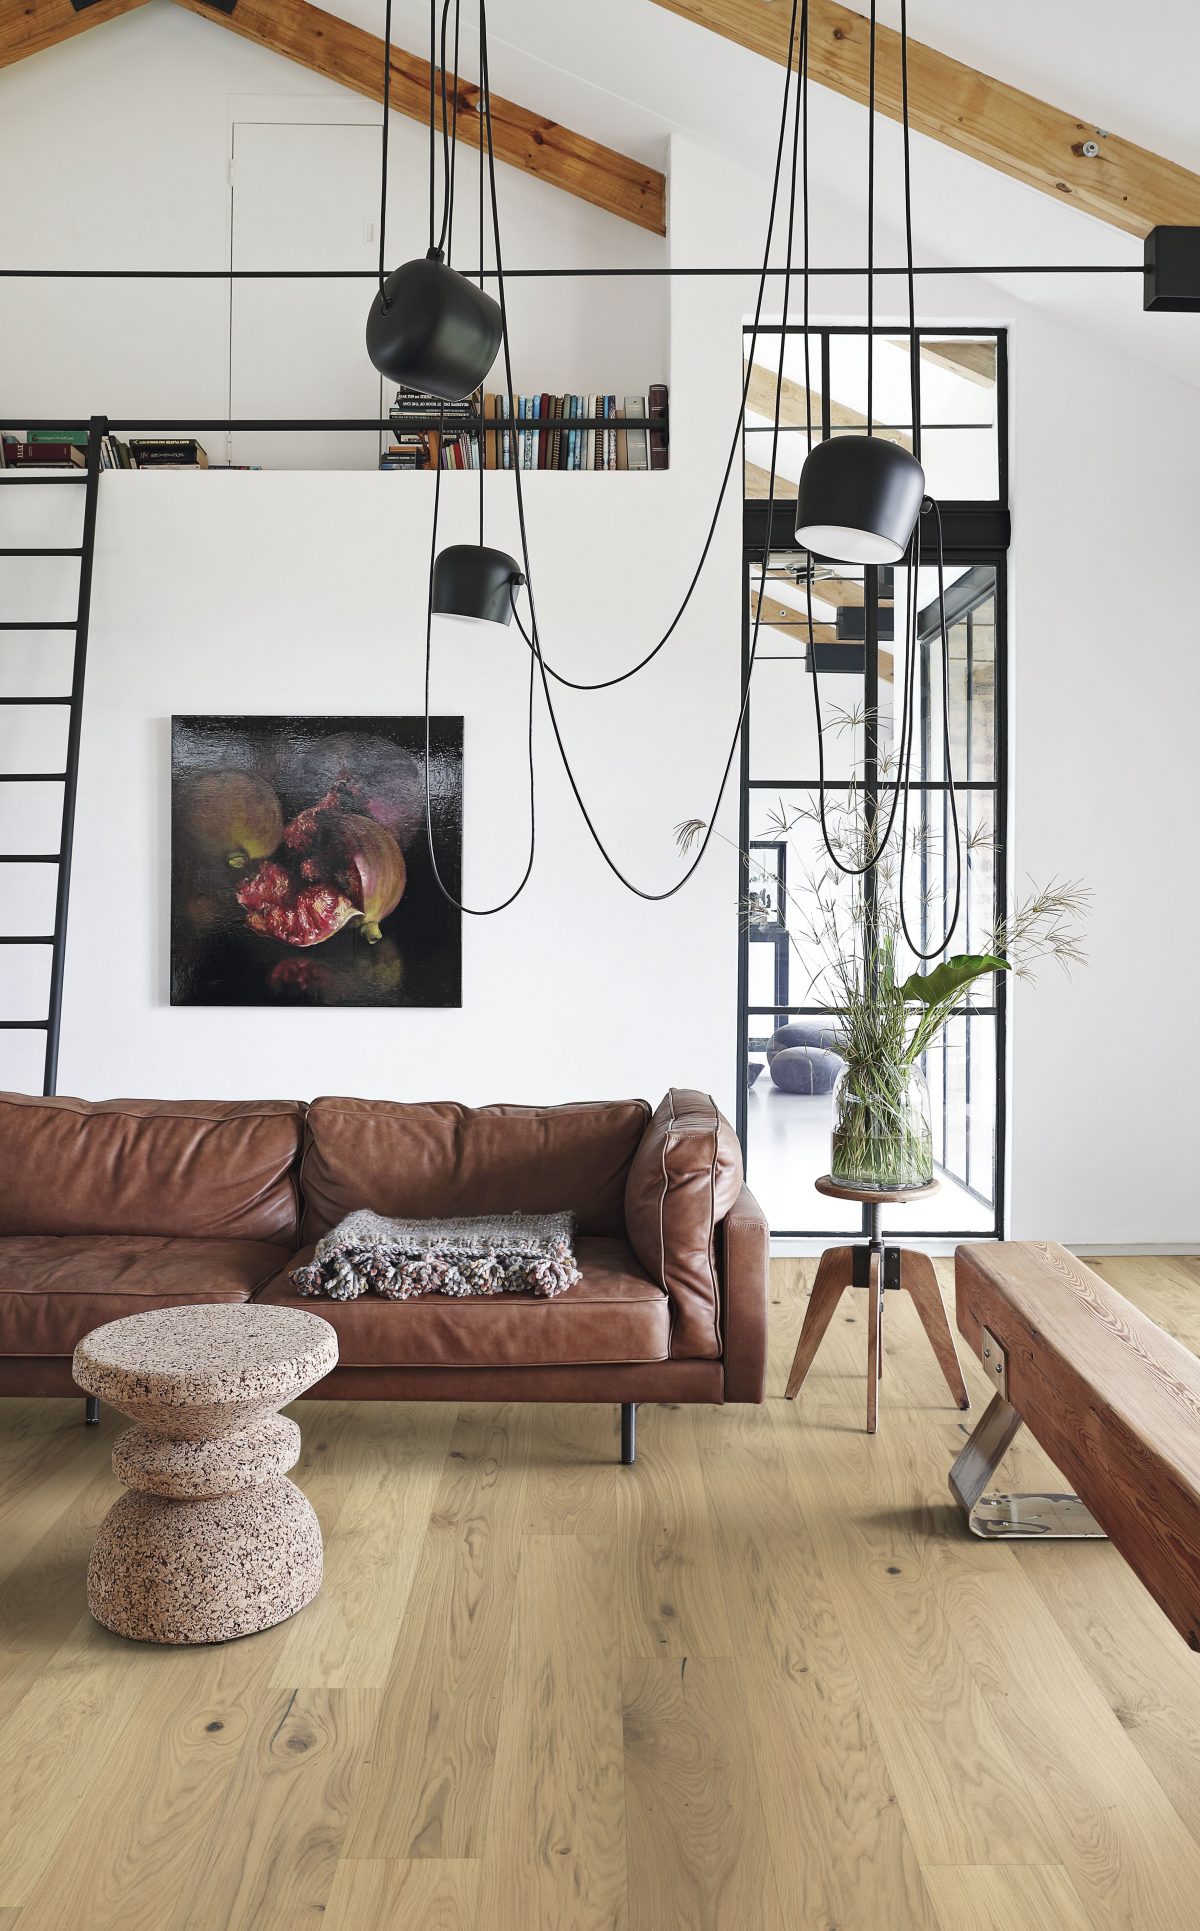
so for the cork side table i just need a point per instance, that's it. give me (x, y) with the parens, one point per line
(877, 1268)
(212, 1540)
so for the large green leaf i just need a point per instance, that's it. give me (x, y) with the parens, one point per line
(949, 979)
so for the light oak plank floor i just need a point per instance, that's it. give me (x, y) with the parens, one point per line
(763, 1679)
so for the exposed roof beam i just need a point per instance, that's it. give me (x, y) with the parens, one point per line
(30, 26)
(1128, 186)
(332, 47)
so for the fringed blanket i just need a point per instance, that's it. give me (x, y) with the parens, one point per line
(490, 1254)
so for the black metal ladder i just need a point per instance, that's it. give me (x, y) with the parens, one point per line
(88, 479)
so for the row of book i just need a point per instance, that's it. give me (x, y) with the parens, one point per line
(67, 449)
(530, 432)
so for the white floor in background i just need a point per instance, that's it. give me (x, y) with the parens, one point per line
(788, 1148)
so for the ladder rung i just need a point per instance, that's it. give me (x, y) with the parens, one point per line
(10, 624)
(23, 1025)
(41, 553)
(35, 700)
(30, 858)
(33, 777)
(26, 938)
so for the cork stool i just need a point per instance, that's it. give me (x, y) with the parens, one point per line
(877, 1268)
(212, 1540)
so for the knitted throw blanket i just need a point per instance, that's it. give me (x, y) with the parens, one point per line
(488, 1254)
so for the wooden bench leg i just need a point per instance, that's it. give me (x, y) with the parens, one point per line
(1004, 1517)
(918, 1277)
(835, 1272)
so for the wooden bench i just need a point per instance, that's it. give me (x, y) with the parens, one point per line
(1113, 1400)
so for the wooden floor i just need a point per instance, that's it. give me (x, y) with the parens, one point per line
(764, 1679)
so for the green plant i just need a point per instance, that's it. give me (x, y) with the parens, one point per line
(889, 1009)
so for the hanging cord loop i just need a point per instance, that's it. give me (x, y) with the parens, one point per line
(935, 951)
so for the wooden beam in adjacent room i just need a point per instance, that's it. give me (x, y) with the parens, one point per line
(793, 411)
(1130, 187)
(338, 51)
(30, 26)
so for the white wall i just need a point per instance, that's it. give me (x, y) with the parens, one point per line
(303, 592)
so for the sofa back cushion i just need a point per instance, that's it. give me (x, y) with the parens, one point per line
(685, 1178)
(442, 1158)
(200, 1169)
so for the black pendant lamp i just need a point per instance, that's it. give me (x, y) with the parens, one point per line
(432, 330)
(858, 500)
(475, 584)
(859, 497)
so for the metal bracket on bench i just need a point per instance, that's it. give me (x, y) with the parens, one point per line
(1000, 1517)
(861, 1266)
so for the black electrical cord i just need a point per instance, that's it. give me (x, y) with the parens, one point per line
(609, 683)
(383, 170)
(936, 951)
(670, 891)
(871, 228)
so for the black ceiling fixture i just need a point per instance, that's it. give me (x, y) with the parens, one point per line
(429, 328)
(859, 497)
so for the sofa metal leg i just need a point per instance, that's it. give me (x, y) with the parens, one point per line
(628, 1433)
(91, 1410)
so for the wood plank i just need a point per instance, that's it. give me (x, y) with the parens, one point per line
(1125, 185)
(1037, 1897)
(794, 408)
(850, 1860)
(426, 1790)
(269, 1858)
(698, 1850)
(334, 48)
(786, 617)
(1113, 1400)
(346, 1638)
(30, 26)
(430, 1894)
(555, 1853)
(964, 1796)
(672, 1603)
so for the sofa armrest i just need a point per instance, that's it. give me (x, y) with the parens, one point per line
(685, 1177)
(745, 1259)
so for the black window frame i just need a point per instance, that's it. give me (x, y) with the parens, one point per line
(974, 532)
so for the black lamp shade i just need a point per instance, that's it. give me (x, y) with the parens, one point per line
(858, 500)
(474, 584)
(438, 333)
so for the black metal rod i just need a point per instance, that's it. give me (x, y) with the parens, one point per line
(91, 1410)
(560, 274)
(97, 431)
(628, 1433)
(487, 426)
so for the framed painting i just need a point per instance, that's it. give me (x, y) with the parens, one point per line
(300, 865)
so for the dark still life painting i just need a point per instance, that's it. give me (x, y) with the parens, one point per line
(300, 867)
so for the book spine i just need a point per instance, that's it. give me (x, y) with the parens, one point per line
(658, 437)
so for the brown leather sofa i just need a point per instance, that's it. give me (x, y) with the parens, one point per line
(114, 1207)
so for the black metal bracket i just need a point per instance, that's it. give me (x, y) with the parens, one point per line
(862, 1267)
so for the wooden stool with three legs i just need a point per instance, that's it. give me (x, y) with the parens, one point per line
(877, 1268)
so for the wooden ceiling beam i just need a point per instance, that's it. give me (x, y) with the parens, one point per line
(1128, 186)
(793, 412)
(332, 47)
(31, 26)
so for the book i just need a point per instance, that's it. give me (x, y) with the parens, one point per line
(490, 412)
(22, 455)
(167, 452)
(544, 440)
(658, 437)
(426, 408)
(622, 442)
(638, 447)
(610, 434)
(77, 436)
(589, 435)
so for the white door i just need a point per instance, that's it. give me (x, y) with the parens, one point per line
(304, 196)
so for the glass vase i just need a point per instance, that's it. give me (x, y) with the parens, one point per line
(882, 1137)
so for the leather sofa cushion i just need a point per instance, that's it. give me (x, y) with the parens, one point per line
(441, 1158)
(685, 1177)
(614, 1314)
(201, 1169)
(54, 1289)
